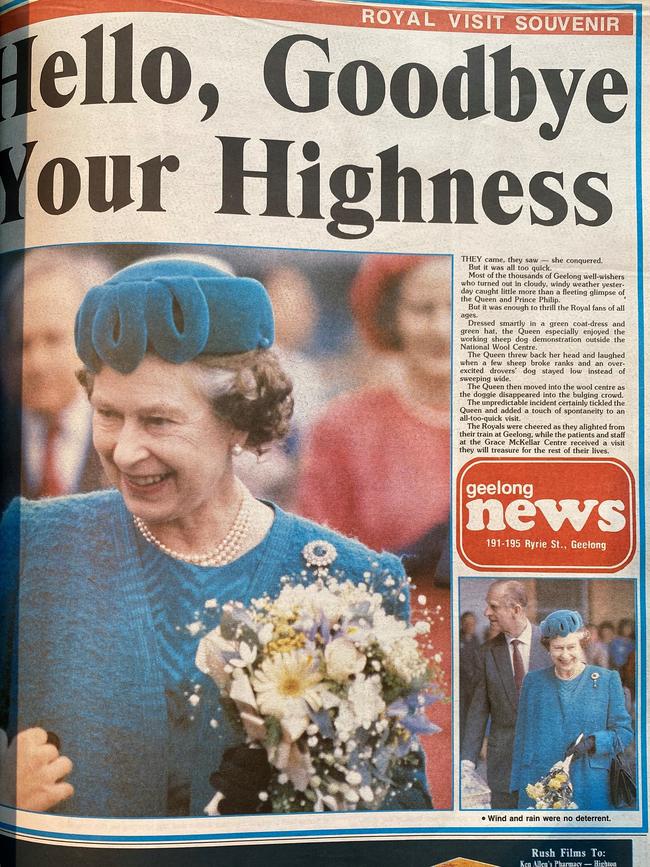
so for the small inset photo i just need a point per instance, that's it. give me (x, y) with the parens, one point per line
(547, 694)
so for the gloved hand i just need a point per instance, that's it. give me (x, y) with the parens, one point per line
(584, 747)
(244, 773)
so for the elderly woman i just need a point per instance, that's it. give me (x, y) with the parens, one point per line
(101, 603)
(377, 464)
(559, 703)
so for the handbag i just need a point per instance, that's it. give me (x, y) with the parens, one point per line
(622, 782)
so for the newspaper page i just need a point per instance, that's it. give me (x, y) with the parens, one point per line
(419, 226)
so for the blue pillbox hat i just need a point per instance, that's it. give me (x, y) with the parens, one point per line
(177, 308)
(561, 623)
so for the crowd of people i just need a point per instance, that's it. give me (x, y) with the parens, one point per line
(371, 463)
(613, 647)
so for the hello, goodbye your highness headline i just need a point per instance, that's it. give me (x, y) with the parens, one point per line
(302, 77)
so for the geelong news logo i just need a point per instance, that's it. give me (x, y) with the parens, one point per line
(545, 514)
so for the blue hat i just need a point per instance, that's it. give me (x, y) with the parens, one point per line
(561, 623)
(177, 308)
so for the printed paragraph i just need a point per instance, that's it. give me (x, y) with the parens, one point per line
(541, 362)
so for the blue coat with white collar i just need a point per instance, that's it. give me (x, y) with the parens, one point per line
(79, 648)
(545, 728)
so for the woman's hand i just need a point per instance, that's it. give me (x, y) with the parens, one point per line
(584, 747)
(243, 774)
(34, 772)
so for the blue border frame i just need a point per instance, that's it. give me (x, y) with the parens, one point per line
(641, 717)
(429, 831)
(5, 7)
(424, 832)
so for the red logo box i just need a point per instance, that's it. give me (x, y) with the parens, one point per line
(545, 514)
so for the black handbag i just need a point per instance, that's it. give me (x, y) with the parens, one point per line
(622, 782)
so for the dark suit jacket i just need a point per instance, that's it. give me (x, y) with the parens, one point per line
(495, 699)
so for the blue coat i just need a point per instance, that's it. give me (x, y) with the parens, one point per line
(89, 664)
(543, 732)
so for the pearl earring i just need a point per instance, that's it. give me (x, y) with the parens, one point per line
(236, 450)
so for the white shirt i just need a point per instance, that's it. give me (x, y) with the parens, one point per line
(525, 640)
(70, 449)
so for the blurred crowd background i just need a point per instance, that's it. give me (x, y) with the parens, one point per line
(366, 341)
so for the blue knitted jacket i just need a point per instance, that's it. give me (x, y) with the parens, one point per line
(78, 648)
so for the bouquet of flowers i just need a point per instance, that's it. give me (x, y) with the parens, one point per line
(554, 791)
(330, 689)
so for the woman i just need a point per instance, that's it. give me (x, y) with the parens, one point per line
(114, 585)
(377, 463)
(559, 703)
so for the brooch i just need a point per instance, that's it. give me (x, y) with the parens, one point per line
(319, 555)
(595, 677)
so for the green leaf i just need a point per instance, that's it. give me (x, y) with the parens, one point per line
(273, 731)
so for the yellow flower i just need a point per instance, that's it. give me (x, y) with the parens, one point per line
(562, 777)
(534, 791)
(287, 685)
(555, 783)
(285, 638)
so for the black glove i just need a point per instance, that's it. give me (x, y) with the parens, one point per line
(584, 747)
(244, 772)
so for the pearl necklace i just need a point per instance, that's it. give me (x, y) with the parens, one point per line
(226, 551)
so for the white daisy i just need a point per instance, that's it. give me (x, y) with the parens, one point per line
(288, 685)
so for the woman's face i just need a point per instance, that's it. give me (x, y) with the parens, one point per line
(423, 317)
(159, 441)
(566, 654)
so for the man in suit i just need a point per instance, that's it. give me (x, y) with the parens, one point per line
(53, 451)
(504, 661)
